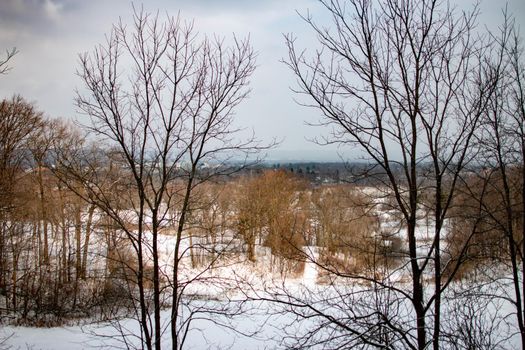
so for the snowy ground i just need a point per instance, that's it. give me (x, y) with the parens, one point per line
(76, 338)
(254, 329)
(212, 336)
(206, 334)
(261, 327)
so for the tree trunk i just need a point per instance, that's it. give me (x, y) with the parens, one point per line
(78, 240)
(43, 216)
(65, 260)
(89, 222)
(156, 281)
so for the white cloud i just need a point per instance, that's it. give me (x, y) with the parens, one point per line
(53, 9)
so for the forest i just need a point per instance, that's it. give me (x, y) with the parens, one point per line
(161, 211)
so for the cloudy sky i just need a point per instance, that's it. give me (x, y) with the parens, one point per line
(50, 34)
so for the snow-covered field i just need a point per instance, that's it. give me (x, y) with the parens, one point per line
(262, 324)
(205, 335)
(262, 328)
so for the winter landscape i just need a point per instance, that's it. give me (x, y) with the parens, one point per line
(178, 206)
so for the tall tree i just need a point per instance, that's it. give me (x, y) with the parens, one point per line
(501, 142)
(162, 96)
(400, 81)
(18, 121)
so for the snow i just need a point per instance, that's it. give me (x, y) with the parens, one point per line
(261, 323)
(310, 272)
(263, 327)
(204, 335)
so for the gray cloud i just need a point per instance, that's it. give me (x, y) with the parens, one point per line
(36, 16)
(23, 11)
(50, 33)
(232, 4)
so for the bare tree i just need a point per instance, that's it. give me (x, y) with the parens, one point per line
(18, 121)
(9, 54)
(267, 215)
(162, 97)
(401, 82)
(501, 143)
